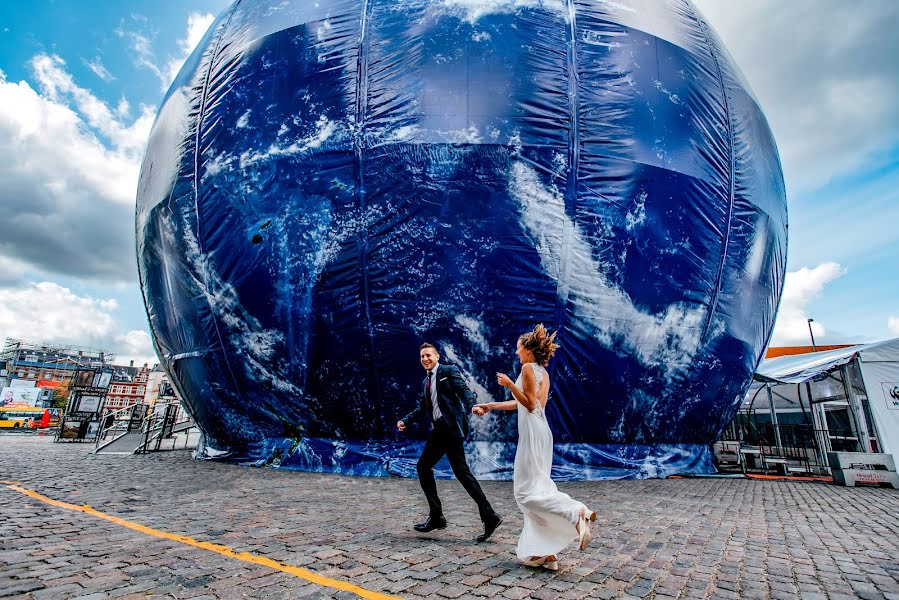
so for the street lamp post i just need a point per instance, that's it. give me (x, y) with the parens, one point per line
(811, 333)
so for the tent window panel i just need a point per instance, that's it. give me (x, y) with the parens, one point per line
(791, 418)
(843, 437)
(829, 389)
(869, 420)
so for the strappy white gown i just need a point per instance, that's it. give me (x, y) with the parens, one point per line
(550, 516)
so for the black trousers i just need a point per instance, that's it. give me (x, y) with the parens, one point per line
(443, 442)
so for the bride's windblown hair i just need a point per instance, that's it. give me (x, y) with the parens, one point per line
(540, 343)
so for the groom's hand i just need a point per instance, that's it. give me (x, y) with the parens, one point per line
(400, 425)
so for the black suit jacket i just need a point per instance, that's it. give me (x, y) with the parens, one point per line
(454, 399)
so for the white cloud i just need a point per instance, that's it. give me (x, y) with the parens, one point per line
(47, 312)
(68, 174)
(123, 108)
(140, 38)
(141, 43)
(197, 24)
(58, 86)
(800, 289)
(98, 68)
(824, 72)
(135, 345)
(893, 324)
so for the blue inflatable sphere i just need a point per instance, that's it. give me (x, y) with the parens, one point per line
(328, 184)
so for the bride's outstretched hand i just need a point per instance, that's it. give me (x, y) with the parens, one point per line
(503, 380)
(480, 409)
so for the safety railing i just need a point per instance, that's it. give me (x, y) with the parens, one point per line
(118, 424)
(785, 449)
(163, 422)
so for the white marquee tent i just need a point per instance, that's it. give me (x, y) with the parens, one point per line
(863, 379)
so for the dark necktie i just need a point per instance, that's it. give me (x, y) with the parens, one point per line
(428, 403)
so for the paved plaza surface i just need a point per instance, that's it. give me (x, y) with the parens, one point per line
(684, 538)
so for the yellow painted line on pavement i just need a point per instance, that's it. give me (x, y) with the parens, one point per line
(247, 557)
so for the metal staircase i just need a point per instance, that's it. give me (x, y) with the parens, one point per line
(142, 428)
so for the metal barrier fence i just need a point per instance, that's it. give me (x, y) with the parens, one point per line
(787, 449)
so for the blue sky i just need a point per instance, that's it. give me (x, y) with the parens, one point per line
(82, 79)
(82, 31)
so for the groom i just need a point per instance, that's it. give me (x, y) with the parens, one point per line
(445, 400)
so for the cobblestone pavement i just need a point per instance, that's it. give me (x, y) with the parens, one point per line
(686, 538)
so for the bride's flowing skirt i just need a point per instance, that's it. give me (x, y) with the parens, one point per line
(550, 516)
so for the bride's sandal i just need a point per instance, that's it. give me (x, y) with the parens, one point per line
(583, 527)
(534, 561)
(550, 565)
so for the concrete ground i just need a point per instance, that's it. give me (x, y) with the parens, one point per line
(239, 532)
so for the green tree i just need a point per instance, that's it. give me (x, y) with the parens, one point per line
(60, 395)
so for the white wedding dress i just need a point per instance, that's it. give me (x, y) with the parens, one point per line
(550, 516)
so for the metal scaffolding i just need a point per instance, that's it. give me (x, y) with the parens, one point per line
(17, 354)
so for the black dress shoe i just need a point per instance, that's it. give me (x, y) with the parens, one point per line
(431, 524)
(489, 527)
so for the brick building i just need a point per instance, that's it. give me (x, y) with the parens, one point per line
(127, 388)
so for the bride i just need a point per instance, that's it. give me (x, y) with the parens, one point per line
(552, 520)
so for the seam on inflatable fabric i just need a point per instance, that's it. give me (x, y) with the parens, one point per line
(176, 357)
(153, 337)
(713, 305)
(571, 183)
(359, 150)
(563, 290)
(201, 114)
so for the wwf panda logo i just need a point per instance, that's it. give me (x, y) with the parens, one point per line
(894, 392)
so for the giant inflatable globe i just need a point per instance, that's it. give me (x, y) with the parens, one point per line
(329, 184)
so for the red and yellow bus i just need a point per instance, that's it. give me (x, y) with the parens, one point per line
(23, 417)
